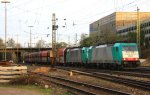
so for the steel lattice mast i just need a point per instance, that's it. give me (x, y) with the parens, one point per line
(54, 28)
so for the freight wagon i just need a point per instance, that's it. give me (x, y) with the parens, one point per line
(61, 58)
(38, 57)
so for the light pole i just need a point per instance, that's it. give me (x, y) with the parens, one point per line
(138, 38)
(30, 36)
(17, 48)
(5, 2)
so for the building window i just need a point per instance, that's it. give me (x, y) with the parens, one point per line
(144, 32)
(145, 24)
(123, 30)
(120, 31)
(130, 29)
(134, 27)
(126, 30)
(149, 23)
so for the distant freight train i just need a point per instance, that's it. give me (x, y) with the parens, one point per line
(38, 57)
(116, 55)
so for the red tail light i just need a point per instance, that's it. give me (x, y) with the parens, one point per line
(130, 59)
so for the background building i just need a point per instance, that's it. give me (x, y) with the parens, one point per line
(117, 21)
(144, 26)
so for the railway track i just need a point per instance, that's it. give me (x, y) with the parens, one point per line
(135, 74)
(126, 73)
(130, 82)
(84, 88)
(138, 70)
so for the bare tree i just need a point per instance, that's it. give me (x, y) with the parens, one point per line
(10, 43)
(40, 44)
(1, 43)
(100, 38)
(61, 45)
(18, 45)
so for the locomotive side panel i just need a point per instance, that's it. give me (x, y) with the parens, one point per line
(76, 55)
(102, 54)
(84, 55)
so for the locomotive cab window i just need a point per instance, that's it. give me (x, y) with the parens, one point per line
(129, 48)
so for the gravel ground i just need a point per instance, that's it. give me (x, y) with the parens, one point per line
(135, 78)
(145, 62)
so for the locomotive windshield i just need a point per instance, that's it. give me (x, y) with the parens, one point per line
(129, 48)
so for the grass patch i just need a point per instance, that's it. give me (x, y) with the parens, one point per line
(67, 93)
(42, 90)
(30, 87)
(25, 80)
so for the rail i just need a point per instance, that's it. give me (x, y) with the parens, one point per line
(85, 88)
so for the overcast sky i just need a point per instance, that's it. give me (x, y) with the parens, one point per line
(38, 13)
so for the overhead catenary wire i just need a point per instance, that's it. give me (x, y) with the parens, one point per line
(93, 15)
